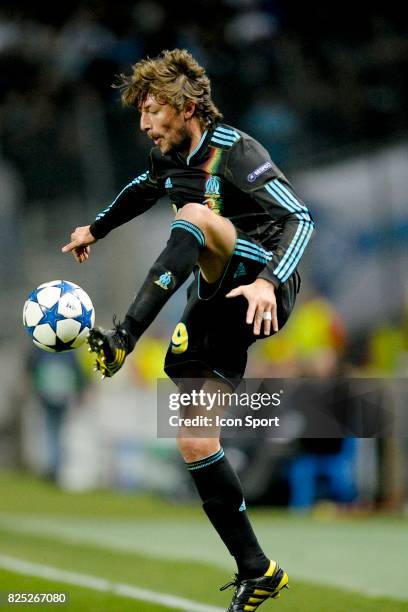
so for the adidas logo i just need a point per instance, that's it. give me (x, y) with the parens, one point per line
(168, 184)
(240, 271)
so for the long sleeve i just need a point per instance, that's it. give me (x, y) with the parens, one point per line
(251, 170)
(134, 199)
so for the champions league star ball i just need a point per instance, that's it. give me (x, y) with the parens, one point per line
(58, 316)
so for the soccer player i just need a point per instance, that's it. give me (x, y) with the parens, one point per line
(241, 228)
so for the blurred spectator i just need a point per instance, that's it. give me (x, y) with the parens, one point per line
(311, 344)
(385, 351)
(58, 382)
(325, 469)
(148, 358)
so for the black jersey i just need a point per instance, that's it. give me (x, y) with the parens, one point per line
(234, 176)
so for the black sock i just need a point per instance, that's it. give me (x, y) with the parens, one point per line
(170, 270)
(221, 492)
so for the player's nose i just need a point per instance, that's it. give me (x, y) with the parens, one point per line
(144, 123)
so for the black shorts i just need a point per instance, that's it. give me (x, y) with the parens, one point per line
(212, 334)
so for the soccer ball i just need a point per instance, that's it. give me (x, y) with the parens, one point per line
(58, 316)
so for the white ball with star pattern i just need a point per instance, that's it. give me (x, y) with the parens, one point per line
(58, 316)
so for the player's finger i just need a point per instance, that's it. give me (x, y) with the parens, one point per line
(274, 321)
(258, 322)
(250, 312)
(69, 247)
(267, 325)
(235, 292)
(268, 318)
(78, 254)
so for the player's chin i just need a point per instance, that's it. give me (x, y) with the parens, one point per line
(164, 148)
(167, 147)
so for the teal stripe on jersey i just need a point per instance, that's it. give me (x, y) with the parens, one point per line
(286, 195)
(297, 252)
(136, 181)
(252, 251)
(190, 227)
(222, 142)
(285, 192)
(288, 205)
(197, 147)
(228, 131)
(300, 252)
(291, 247)
(223, 139)
(252, 256)
(279, 198)
(303, 233)
(252, 246)
(224, 136)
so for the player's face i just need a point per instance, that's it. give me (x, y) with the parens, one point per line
(164, 125)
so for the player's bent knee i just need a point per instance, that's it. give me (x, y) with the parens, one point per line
(195, 213)
(194, 449)
(217, 230)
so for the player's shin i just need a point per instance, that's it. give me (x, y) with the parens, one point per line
(221, 492)
(170, 270)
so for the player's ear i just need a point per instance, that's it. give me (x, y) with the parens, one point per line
(189, 109)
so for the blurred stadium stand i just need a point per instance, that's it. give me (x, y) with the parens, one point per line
(328, 99)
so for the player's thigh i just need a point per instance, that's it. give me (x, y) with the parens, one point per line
(209, 341)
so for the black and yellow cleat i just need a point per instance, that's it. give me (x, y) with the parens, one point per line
(251, 593)
(110, 347)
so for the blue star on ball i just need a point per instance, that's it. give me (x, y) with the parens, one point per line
(65, 287)
(84, 318)
(51, 316)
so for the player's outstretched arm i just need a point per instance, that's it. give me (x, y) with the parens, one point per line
(262, 307)
(81, 238)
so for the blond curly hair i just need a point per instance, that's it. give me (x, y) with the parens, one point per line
(173, 77)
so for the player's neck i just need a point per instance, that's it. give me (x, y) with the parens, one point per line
(196, 131)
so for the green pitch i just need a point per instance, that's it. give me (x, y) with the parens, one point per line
(115, 542)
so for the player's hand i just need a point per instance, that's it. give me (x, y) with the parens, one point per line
(81, 238)
(261, 299)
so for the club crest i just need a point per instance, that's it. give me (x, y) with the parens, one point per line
(212, 194)
(164, 280)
